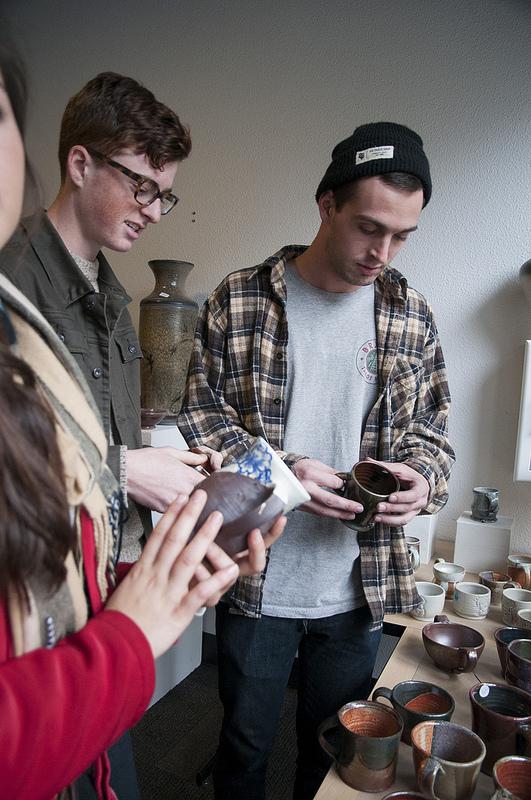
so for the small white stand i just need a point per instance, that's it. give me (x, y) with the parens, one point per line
(482, 545)
(185, 656)
(423, 527)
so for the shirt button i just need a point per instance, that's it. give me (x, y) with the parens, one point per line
(279, 356)
(132, 348)
(277, 401)
(90, 305)
(62, 337)
(97, 372)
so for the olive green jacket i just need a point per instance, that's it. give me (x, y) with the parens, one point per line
(95, 326)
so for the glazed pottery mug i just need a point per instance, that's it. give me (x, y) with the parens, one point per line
(501, 716)
(263, 464)
(503, 637)
(452, 646)
(497, 582)
(417, 701)
(446, 574)
(485, 504)
(367, 753)
(518, 672)
(471, 600)
(512, 778)
(447, 759)
(413, 551)
(524, 618)
(513, 601)
(519, 569)
(367, 483)
(432, 600)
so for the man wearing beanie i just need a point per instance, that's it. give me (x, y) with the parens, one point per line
(327, 353)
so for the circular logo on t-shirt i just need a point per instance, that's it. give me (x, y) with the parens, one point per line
(367, 361)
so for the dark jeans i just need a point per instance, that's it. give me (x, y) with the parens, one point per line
(255, 656)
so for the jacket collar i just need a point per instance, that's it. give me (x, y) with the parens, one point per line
(61, 269)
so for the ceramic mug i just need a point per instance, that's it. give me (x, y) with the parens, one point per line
(471, 600)
(447, 759)
(367, 483)
(512, 778)
(497, 582)
(367, 753)
(447, 574)
(413, 551)
(513, 601)
(417, 701)
(503, 637)
(501, 716)
(432, 600)
(519, 569)
(452, 646)
(518, 672)
(485, 504)
(524, 618)
(262, 463)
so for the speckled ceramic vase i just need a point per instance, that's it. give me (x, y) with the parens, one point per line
(167, 324)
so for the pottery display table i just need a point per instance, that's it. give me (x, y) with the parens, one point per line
(409, 661)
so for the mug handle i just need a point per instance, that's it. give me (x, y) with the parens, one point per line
(328, 725)
(511, 585)
(468, 660)
(523, 740)
(382, 691)
(426, 776)
(414, 558)
(344, 477)
(439, 560)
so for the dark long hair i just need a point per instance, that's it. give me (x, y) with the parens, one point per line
(35, 529)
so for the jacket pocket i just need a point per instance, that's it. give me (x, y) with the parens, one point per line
(404, 391)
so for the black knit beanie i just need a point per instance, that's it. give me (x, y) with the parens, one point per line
(375, 149)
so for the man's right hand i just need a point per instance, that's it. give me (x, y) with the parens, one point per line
(318, 478)
(156, 475)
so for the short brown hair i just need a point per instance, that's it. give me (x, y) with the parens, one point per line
(401, 180)
(112, 113)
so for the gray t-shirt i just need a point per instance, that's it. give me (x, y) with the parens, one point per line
(332, 384)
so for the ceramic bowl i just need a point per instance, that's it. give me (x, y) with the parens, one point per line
(452, 646)
(245, 504)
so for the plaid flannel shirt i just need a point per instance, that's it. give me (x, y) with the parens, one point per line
(236, 391)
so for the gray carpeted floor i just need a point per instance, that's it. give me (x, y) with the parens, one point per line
(178, 735)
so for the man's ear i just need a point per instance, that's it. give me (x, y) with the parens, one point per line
(326, 205)
(78, 162)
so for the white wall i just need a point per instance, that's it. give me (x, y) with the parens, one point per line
(269, 88)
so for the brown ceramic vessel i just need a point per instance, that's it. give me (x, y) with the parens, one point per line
(512, 777)
(452, 646)
(518, 672)
(502, 637)
(417, 701)
(501, 716)
(245, 504)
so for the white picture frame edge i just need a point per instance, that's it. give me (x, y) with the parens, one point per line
(522, 462)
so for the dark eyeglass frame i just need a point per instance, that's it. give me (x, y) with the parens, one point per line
(165, 196)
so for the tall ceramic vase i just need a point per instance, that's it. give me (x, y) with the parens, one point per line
(167, 324)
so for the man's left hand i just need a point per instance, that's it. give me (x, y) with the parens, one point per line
(402, 506)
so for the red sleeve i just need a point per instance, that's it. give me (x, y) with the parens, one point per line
(61, 708)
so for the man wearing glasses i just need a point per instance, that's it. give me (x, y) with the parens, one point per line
(118, 151)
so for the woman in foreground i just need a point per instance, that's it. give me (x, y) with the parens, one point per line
(77, 645)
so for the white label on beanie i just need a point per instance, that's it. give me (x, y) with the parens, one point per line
(385, 151)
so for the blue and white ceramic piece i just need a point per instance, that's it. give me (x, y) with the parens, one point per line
(256, 462)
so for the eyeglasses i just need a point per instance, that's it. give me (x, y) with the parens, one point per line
(147, 190)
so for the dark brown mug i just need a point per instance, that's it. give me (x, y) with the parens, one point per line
(518, 671)
(503, 637)
(501, 716)
(367, 483)
(417, 701)
(367, 753)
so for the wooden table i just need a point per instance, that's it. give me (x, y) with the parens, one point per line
(408, 661)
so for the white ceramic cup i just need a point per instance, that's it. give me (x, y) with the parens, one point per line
(447, 574)
(513, 601)
(432, 597)
(524, 618)
(263, 464)
(471, 600)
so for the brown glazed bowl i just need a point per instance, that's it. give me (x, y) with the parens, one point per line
(245, 504)
(503, 637)
(452, 646)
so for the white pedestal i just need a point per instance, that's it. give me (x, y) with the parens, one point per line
(482, 545)
(185, 656)
(423, 527)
